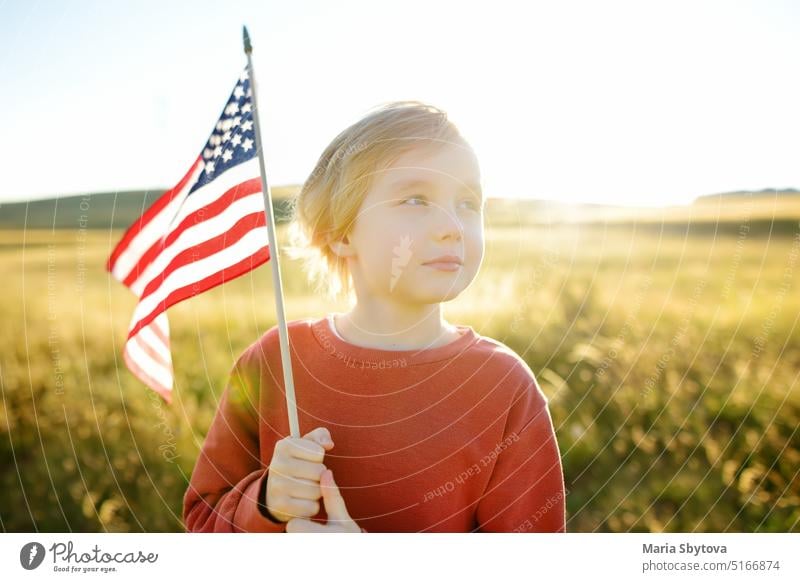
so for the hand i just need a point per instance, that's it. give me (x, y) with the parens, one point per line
(339, 521)
(293, 488)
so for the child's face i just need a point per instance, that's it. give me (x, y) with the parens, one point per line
(427, 204)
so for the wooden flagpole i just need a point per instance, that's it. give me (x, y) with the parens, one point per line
(286, 358)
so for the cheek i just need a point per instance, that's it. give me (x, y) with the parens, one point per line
(382, 242)
(474, 244)
(377, 258)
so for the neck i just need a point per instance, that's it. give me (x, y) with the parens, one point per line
(390, 326)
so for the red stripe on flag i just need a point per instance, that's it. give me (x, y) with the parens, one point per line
(227, 274)
(149, 214)
(160, 335)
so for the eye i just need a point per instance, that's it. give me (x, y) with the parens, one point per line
(418, 198)
(472, 204)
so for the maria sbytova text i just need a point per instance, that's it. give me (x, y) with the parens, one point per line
(65, 553)
(683, 549)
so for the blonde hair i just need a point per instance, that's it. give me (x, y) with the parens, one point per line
(326, 208)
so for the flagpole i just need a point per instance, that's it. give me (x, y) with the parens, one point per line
(283, 334)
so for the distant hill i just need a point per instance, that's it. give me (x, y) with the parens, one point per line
(103, 210)
(747, 193)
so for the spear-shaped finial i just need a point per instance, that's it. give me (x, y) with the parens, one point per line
(248, 48)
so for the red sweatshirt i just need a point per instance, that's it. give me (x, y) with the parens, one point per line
(456, 438)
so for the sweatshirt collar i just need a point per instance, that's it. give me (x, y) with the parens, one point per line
(338, 348)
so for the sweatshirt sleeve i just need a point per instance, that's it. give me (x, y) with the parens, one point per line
(525, 492)
(228, 484)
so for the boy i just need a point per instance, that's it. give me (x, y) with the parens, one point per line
(427, 426)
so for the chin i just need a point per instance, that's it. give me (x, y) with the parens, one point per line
(428, 296)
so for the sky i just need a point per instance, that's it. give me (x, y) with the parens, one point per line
(633, 103)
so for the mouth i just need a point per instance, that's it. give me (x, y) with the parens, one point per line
(445, 259)
(446, 263)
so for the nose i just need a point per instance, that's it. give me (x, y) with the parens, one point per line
(446, 224)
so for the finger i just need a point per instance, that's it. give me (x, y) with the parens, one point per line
(334, 503)
(300, 469)
(283, 484)
(301, 488)
(305, 449)
(296, 508)
(322, 437)
(299, 525)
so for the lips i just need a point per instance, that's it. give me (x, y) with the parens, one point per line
(446, 259)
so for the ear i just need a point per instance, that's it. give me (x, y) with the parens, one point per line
(342, 248)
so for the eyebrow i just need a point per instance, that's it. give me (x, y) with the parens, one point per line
(404, 185)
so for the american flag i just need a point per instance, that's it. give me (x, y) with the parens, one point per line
(208, 229)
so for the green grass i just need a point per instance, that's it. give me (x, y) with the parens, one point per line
(670, 359)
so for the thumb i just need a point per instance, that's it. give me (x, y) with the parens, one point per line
(322, 437)
(332, 499)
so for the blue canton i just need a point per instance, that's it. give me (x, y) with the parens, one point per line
(234, 138)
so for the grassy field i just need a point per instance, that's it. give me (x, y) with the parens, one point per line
(670, 354)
